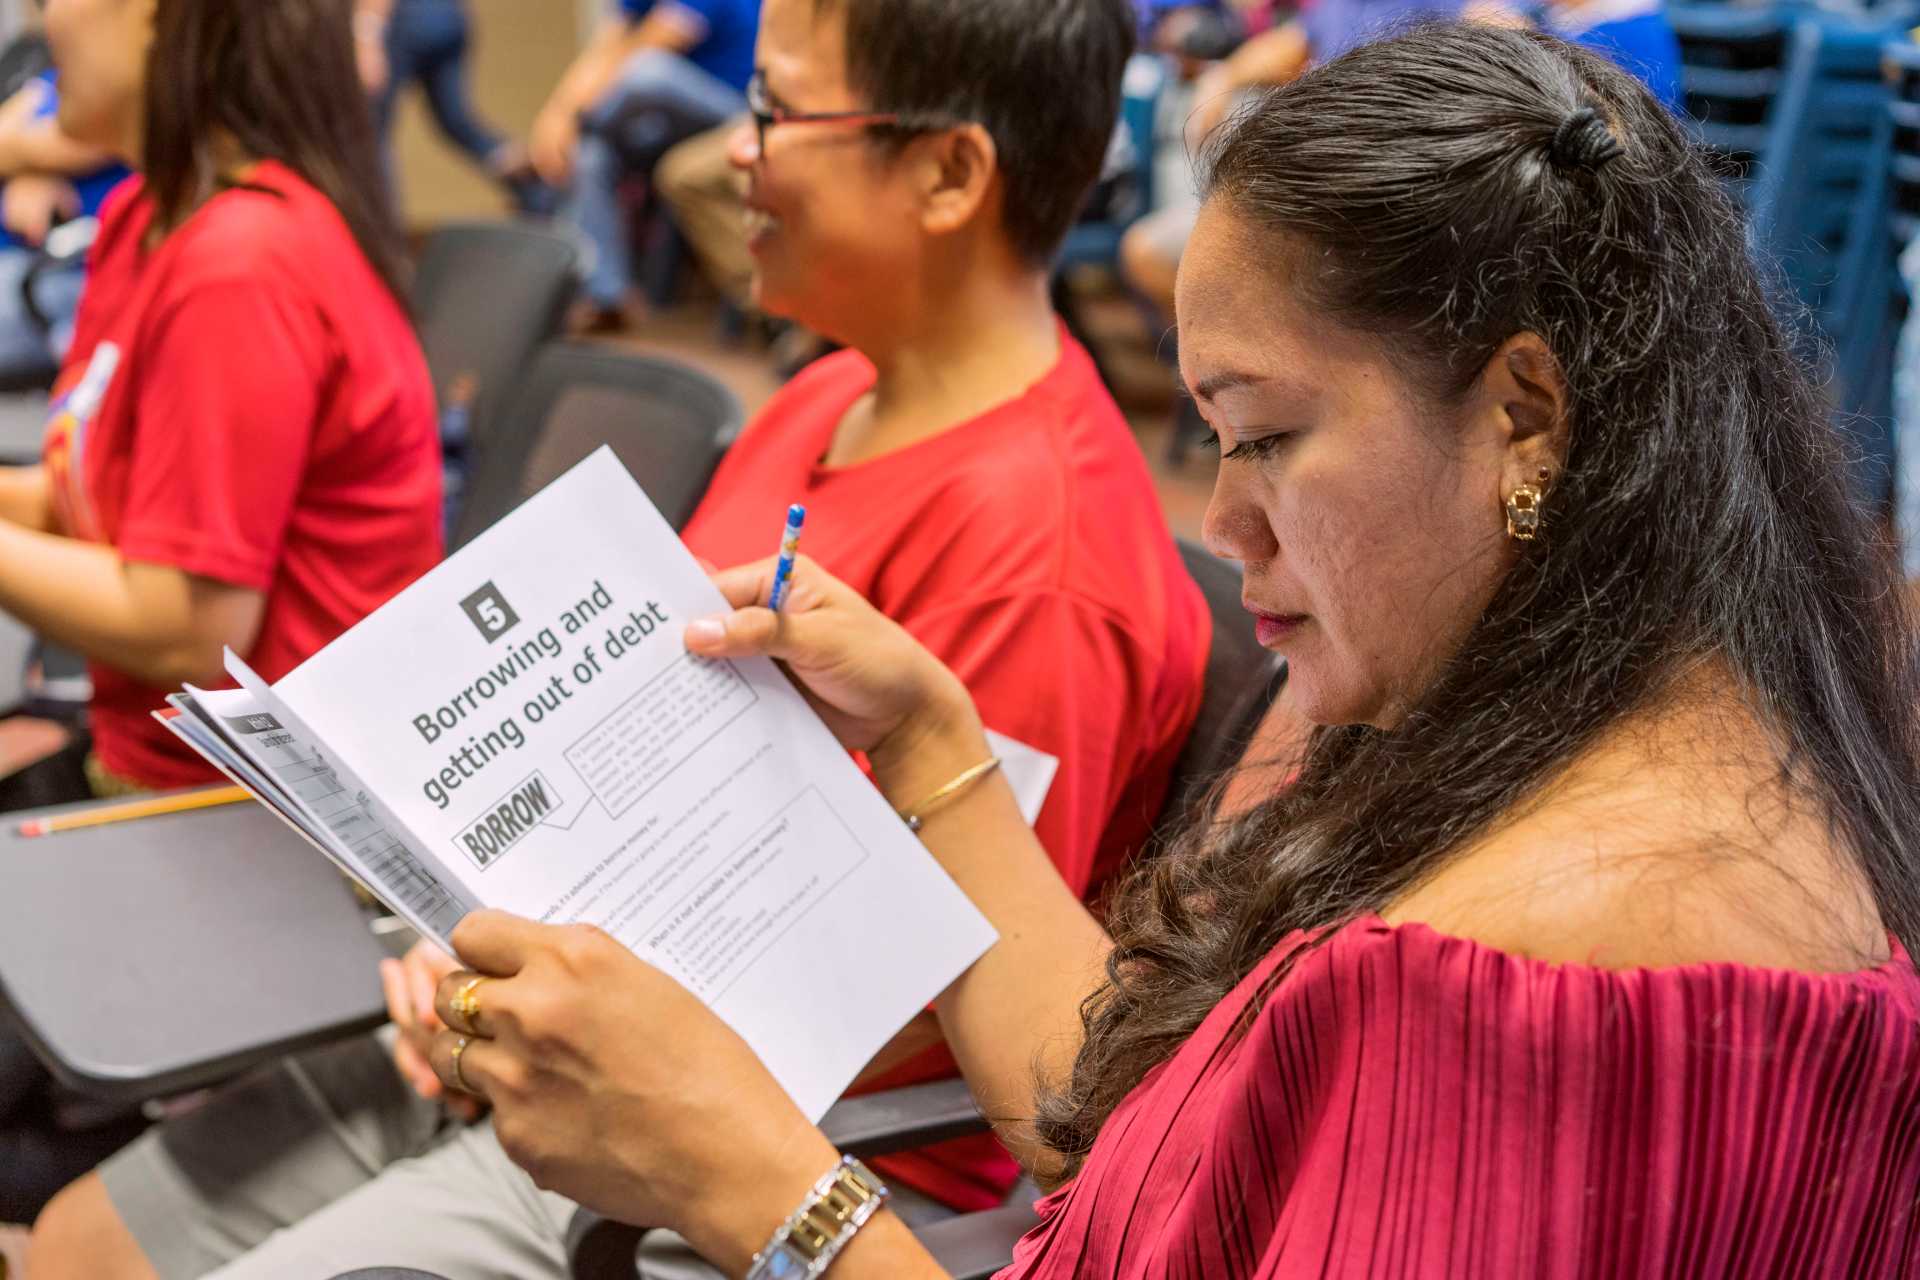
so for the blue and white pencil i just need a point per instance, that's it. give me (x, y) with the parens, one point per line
(789, 548)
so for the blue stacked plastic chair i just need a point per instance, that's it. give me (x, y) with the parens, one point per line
(1731, 66)
(1902, 61)
(1820, 207)
(1864, 305)
(1823, 150)
(1902, 199)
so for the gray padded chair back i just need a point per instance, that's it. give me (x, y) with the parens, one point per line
(486, 296)
(669, 423)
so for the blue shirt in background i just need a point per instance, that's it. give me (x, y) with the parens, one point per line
(1634, 34)
(732, 26)
(91, 187)
(1335, 26)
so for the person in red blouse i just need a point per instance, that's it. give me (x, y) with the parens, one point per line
(242, 451)
(1580, 946)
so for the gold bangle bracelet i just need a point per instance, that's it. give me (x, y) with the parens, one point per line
(916, 817)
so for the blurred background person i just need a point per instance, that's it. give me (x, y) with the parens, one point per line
(49, 179)
(243, 450)
(653, 74)
(1633, 34)
(426, 42)
(1223, 73)
(707, 195)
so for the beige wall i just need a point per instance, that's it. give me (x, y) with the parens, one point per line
(520, 47)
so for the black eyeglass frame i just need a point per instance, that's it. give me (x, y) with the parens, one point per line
(766, 114)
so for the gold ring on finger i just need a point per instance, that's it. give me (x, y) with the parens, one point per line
(459, 1076)
(466, 1004)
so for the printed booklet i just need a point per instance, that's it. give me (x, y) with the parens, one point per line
(523, 729)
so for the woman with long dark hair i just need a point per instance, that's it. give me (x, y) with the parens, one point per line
(242, 451)
(242, 448)
(1578, 946)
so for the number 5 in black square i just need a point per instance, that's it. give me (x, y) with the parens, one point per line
(489, 611)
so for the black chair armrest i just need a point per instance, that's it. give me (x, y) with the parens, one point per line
(976, 1246)
(879, 1124)
(601, 1249)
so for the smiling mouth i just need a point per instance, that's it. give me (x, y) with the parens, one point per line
(759, 224)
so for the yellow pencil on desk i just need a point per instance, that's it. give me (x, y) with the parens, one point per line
(150, 807)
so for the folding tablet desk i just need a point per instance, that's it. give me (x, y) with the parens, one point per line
(152, 957)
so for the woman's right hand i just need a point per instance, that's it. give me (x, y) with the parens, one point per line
(877, 688)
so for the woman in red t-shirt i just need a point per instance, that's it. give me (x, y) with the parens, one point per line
(242, 452)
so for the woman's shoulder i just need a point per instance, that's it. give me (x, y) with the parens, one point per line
(274, 229)
(1388, 1082)
(237, 243)
(826, 387)
(124, 217)
(1680, 837)
(1428, 952)
(1405, 973)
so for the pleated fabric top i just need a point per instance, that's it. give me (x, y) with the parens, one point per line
(1407, 1104)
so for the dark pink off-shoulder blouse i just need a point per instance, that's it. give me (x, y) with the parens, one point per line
(1407, 1104)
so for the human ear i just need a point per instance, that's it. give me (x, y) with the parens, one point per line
(959, 167)
(1522, 387)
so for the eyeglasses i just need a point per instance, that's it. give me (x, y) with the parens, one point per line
(767, 113)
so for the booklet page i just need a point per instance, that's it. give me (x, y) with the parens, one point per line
(532, 721)
(290, 775)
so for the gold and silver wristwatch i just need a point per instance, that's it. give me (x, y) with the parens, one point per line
(807, 1242)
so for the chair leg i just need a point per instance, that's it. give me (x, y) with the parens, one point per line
(662, 258)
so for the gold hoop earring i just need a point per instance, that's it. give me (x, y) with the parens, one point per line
(1523, 510)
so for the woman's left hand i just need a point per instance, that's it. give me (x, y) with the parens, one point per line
(615, 1087)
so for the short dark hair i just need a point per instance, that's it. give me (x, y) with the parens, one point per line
(1041, 76)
